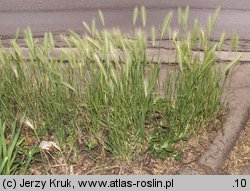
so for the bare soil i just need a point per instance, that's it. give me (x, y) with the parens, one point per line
(238, 162)
(92, 163)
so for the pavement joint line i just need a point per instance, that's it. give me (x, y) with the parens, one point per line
(166, 55)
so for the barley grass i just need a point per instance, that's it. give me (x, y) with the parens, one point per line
(105, 94)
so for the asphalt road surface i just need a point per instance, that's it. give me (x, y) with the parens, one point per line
(58, 16)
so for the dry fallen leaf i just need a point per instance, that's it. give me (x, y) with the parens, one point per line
(49, 146)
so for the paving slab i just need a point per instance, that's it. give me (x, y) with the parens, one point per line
(58, 16)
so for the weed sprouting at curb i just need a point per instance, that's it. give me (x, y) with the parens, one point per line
(105, 94)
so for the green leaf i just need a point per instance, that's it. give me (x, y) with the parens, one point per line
(183, 137)
(91, 144)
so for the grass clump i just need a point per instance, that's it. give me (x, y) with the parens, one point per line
(118, 93)
(192, 93)
(14, 156)
(105, 94)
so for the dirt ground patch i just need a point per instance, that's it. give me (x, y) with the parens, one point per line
(92, 163)
(238, 162)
